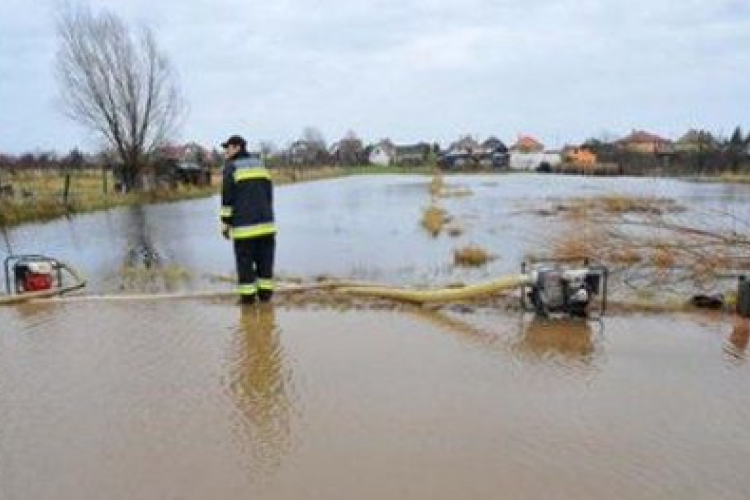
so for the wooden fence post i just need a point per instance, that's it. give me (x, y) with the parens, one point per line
(66, 188)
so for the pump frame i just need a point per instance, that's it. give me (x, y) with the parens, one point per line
(11, 279)
(561, 265)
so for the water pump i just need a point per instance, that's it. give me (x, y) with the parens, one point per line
(32, 273)
(560, 288)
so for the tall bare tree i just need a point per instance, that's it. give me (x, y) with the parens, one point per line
(116, 81)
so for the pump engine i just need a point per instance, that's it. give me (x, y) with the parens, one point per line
(557, 288)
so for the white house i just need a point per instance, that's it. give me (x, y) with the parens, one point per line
(531, 161)
(382, 154)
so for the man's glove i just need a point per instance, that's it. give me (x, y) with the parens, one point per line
(225, 230)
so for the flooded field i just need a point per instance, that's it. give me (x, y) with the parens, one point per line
(358, 227)
(198, 400)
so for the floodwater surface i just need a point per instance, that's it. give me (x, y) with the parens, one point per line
(364, 227)
(196, 400)
(158, 399)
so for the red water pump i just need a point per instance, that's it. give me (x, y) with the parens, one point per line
(32, 273)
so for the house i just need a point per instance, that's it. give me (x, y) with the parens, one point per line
(493, 153)
(412, 154)
(578, 156)
(542, 161)
(191, 152)
(696, 141)
(643, 142)
(528, 154)
(386, 153)
(305, 153)
(467, 152)
(493, 144)
(527, 144)
(382, 153)
(467, 145)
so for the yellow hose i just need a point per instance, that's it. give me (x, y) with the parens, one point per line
(435, 296)
(80, 282)
(360, 289)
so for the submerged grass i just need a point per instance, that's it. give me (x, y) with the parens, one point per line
(433, 219)
(471, 256)
(581, 208)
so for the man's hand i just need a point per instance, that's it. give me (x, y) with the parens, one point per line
(225, 231)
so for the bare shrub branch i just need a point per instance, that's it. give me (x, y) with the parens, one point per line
(650, 243)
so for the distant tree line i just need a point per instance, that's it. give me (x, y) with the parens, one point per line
(706, 155)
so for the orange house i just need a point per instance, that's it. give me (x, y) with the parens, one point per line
(580, 157)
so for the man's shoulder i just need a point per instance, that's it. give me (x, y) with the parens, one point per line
(228, 166)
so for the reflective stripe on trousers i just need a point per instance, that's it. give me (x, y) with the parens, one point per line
(265, 284)
(247, 289)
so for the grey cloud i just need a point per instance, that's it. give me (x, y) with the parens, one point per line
(564, 69)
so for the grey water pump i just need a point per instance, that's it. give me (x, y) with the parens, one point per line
(559, 287)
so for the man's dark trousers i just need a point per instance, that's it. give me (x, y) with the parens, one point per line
(255, 267)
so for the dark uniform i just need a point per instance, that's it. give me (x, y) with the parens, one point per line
(247, 214)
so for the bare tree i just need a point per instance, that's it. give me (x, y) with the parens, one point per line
(117, 82)
(314, 137)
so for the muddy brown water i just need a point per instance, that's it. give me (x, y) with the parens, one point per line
(201, 399)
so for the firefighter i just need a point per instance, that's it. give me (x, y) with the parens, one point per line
(247, 219)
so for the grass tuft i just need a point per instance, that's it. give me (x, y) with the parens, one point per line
(471, 256)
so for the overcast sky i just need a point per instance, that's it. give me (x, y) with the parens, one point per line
(561, 70)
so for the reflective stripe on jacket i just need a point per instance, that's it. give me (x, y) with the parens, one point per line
(247, 197)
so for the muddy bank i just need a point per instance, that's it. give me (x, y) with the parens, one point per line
(198, 399)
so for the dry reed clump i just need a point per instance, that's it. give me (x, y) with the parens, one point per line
(580, 208)
(437, 185)
(433, 219)
(572, 247)
(137, 278)
(625, 256)
(663, 257)
(471, 256)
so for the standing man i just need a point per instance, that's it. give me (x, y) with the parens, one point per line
(247, 218)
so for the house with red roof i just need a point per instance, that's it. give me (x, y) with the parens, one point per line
(529, 154)
(640, 141)
(527, 144)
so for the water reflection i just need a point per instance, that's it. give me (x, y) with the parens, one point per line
(260, 385)
(31, 317)
(6, 240)
(141, 250)
(739, 338)
(571, 341)
(144, 266)
(461, 327)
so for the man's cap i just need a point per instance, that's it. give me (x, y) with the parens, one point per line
(235, 140)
